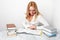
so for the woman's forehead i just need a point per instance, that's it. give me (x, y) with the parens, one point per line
(31, 8)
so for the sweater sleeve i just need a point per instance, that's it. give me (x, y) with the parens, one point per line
(42, 21)
(25, 23)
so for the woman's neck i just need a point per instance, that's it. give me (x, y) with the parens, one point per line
(30, 18)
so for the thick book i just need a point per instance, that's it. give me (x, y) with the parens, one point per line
(50, 29)
(49, 34)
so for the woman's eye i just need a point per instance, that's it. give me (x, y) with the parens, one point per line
(31, 10)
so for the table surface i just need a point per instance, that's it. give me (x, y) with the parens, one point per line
(3, 36)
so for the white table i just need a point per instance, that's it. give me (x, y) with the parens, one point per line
(3, 36)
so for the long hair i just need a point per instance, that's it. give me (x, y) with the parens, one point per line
(33, 4)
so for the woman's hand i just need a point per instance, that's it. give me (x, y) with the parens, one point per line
(33, 27)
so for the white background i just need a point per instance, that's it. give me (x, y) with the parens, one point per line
(12, 11)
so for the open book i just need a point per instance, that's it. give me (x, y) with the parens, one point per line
(29, 31)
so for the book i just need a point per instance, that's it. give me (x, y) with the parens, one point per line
(50, 29)
(29, 31)
(11, 33)
(49, 34)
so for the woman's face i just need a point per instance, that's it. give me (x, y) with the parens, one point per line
(32, 11)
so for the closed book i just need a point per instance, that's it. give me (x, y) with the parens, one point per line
(50, 29)
(49, 34)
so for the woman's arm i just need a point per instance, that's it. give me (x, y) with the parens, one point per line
(28, 26)
(25, 24)
(43, 21)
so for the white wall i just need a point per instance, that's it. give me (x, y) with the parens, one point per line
(56, 14)
(12, 11)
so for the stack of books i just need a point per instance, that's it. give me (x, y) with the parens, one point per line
(11, 30)
(50, 31)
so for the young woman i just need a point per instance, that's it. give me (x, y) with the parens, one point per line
(33, 17)
(33, 20)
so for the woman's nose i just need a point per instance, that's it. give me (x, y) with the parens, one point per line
(31, 11)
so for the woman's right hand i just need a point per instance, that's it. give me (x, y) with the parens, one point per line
(33, 27)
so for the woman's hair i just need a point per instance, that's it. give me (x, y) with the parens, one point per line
(33, 4)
